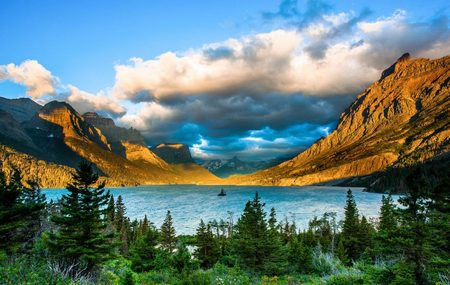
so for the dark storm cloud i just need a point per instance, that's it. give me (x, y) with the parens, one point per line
(268, 124)
(273, 93)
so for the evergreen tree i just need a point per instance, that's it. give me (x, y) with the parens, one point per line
(145, 226)
(208, 250)
(387, 227)
(20, 212)
(415, 230)
(439, 223)
(252, 243)
(365, 238)
(110, 211)
(168, 235)
(350, 229)
(120, 214)
(273, 227)
(124, 236)
(34, 201)
(81, 221)
(388, 219)
(300, 256)
(143, 252)
(341, 253)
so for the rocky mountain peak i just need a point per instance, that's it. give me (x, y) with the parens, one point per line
(391, 69)
(173, 153)
(400, 119)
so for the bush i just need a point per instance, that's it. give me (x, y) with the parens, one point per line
(35, 271)
(158, 277)
(222, 275)
(349, 278)
(117, 271)
(198, 278)
(325, 263)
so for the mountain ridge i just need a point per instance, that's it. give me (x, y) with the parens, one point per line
(59, 135)
(399, 116)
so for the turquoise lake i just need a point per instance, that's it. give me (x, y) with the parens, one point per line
(190, 203)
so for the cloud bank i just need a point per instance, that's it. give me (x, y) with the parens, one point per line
(259, 96)
(218, 97)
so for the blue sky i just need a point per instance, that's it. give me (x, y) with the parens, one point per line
(86, 46)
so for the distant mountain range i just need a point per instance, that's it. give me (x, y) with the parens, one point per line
(401, 120)
(43, 137)
(228, 167)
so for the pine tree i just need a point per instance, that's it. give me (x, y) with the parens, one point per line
(415, 230)
(300, 256)
(388, 219)
(145, 226)
(110, 211)
(143, 252)
(350, 228)
(120, 214)
(439, 222)
(20, 212)
(35, 202)
(273, 227)
(81, 221)
(252, 243)
(387, 227)
(124, 237)
(341, 253)
(168, 235)
(365, 238)
(208, 250)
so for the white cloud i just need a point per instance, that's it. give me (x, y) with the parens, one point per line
(30, 73)
(84, 102)
(331, 56)
(147, 114)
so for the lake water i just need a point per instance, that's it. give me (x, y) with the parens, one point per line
(190, 203)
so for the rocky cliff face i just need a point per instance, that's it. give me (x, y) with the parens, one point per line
(400, 120)
(113, 133)
(173, 153)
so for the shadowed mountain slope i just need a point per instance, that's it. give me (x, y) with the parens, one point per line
(400, 120)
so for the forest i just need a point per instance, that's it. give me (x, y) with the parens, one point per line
(87, 238)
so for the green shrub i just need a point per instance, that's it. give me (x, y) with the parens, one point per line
(158, 277)
(198, 277)
(346, 279)
(117, 271)
(222, 275)
(325, 263)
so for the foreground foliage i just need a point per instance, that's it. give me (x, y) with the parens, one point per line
(86, 238)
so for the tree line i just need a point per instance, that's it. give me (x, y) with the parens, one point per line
(88, 228)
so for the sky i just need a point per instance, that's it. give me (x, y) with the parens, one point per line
(257, 79)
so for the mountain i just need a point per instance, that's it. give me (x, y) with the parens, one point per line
(180, 159)
(401, 120)
(58, 135)
(114, 134)
(173, 153)
(22, 109)
(228, 167)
